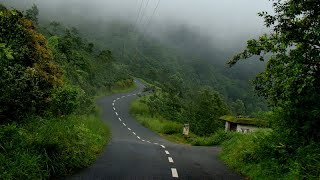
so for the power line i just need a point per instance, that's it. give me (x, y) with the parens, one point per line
(149, 21)
(132, 27)
(138, 15)
(144, 11)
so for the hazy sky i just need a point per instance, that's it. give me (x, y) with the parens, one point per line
(227, 20)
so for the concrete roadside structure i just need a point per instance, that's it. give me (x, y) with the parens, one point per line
(241, 124)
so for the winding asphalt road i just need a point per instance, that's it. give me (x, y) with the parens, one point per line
(137, 153)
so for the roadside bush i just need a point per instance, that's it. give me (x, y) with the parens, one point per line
(266, 155)
(69, 99)
(172, 128)
(27, 70)
(215, 139)
(43, 148)
(17, 159)
(123, 84)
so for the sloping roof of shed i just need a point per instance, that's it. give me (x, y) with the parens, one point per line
(242, 120)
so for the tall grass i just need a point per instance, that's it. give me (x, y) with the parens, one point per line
(172, 130)
(264, 155)
(43, 148)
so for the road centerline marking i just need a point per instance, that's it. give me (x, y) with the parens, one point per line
(116, 113)
(174, 172)
(138, 137)
(124, 124)
(114, 108)
(120, 119)
(129, 129)
(170, 159)
(162, 146)
(167, 152)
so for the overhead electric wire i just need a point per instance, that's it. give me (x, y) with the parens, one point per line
(145, 25)
(149, 21)
(144, 10)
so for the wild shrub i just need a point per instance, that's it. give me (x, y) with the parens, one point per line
(267, 155)
(27, 71)
(69, 99)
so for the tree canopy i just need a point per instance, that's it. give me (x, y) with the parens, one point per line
(291, 81)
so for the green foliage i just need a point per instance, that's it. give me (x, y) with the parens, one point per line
(238, 107)
(201, 109)
(44, 148)
(291, 84)
(206, 110)
(67, 100)
(27, 71)
(33, 13)
(264, 155)
(291, 79)
(217, 138)
(173, 130)
(64, 136)
(195, 62)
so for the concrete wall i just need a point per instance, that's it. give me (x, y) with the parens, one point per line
(246, 128)
(227, 127)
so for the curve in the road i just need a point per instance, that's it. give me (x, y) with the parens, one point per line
(135, 152)
(174, 171)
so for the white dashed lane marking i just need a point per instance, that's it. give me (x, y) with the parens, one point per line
(174, 172)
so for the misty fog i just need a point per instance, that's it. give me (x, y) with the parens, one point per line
(229, 22)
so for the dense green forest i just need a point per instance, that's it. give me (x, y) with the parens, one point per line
(50, 125)
(52, 71)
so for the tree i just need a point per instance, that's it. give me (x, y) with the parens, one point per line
(55, 25)
(33, 13)
(209, 106)
(27, 71)
(291, 80)
(238, 107)
(105, 56)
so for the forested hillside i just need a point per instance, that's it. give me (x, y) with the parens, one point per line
(51, 72)
(181, 52)
(50, 125)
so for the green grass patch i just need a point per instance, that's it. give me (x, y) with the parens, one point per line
(172, 130)
(122, 88)
(44, 148)
(264, 155)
